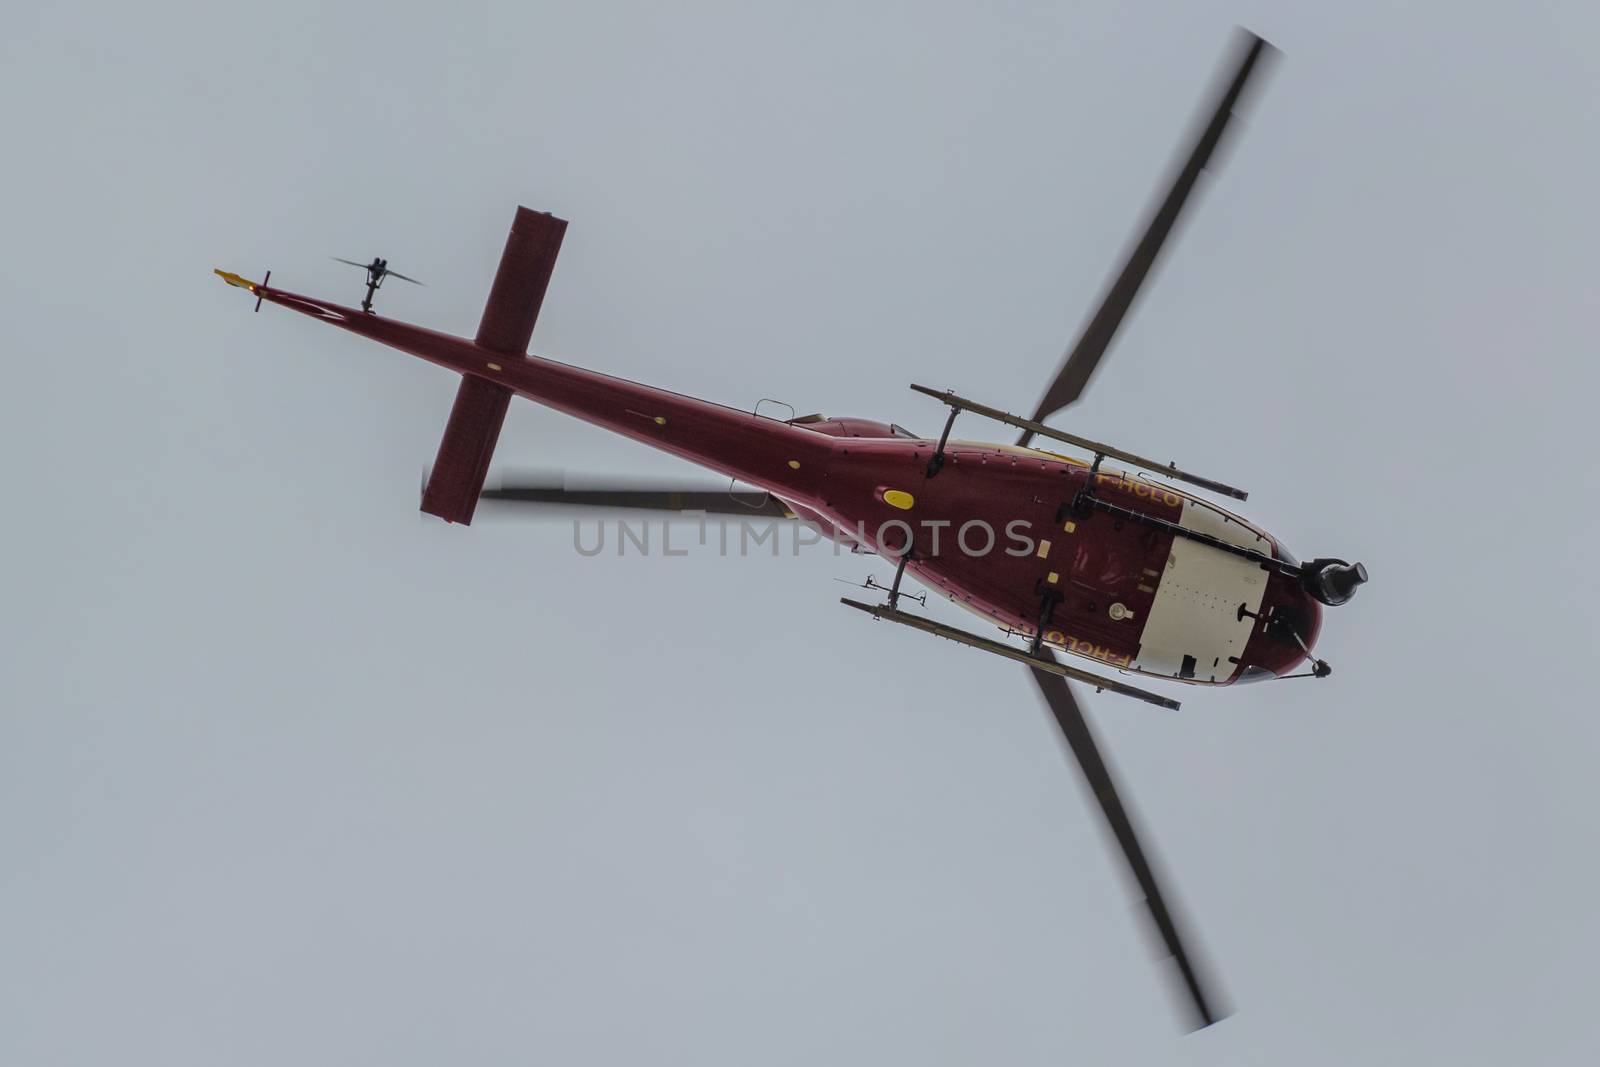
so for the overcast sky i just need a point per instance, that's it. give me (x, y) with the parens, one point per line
(291, 775)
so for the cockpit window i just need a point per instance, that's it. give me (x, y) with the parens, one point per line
(901, 431)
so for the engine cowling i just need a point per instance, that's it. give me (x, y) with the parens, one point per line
(849, 427)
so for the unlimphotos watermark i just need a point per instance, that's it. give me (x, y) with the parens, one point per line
(975, 538)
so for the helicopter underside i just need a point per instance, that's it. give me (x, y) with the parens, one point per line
(1123, 594)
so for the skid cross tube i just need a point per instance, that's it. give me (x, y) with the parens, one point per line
(936, 461)
(928, 626)
(1049, 598)
(899, 573)
(1080, 502)
(1170, 470)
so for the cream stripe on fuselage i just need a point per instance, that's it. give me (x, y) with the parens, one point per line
(1196, 609)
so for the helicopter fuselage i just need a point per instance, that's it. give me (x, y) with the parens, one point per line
(988, 532)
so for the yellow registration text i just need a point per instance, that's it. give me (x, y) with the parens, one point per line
(1080, 647)
(1139, 489)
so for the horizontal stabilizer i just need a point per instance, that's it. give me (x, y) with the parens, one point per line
(465, 450)
(520, 283)
(507, 324)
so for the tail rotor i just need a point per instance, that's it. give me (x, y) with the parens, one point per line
(377, 271)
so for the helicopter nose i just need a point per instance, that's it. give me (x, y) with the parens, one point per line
(1284, 632)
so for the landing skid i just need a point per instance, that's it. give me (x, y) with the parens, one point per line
(959, 404)
(1040, 663)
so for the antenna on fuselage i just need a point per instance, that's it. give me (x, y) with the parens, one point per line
(873, 583)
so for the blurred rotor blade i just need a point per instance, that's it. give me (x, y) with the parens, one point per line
(1057, 692)
(553, 492)
(353, 263)
(402, 277)
(1096, 337)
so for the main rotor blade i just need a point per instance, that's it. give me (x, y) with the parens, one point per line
(1096, 337)
(555, 493)
(402, 277)
(353, 263)
(1058, 695)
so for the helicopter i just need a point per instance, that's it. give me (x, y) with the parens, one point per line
(1124, 572)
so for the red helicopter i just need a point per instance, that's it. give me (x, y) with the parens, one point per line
(1061, 553)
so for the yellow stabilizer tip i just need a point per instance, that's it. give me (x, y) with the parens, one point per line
(234, 279)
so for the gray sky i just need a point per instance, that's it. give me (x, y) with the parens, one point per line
(290, 775)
